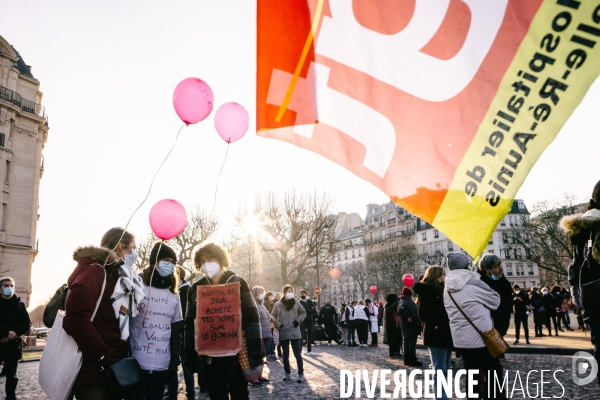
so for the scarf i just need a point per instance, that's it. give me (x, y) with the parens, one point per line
(288, 304)
(129, 290)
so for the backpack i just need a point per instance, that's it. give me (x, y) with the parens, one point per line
(57, 302)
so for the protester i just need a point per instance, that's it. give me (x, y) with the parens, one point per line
(265, 322)
(492, 273)
(380, 315)
(188, 377)
(410, 324)
(161, 310)
(101, 340)
(566, 306)
(276, 343)
(521, 310)
(307, 326)
(548, 302)
(328, 316)
(288, 315)
(361, 322)
(436, 332)
(223, 374)
(268, 301)
(343, 323)
(539, 311)
(372, 311)
(558, 298)
(349, 315)
(464, 290)
(14, 323)
(392, 331)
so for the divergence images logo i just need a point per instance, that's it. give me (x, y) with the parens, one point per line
(581, 365)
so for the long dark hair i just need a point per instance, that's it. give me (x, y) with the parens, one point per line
(595, 200)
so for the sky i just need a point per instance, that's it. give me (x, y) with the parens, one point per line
(108, 70)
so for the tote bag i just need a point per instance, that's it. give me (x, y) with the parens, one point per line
(61, 359)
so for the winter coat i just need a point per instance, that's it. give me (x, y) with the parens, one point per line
(265, 320)
(557, 298)
(539, 311)
(548, 302)
(521, 306)
(102, 337)
(392, 332)
(501, 315)
(412, 328)
(349, 314)
(476, 299)
(184, 288)
(372, 311)
(436, 332)
(581, 228)
(328, 314)
(250, 321)
(13, 317)
(360, 312)
(311, 310)
(284, 319)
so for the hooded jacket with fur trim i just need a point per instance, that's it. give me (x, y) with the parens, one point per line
(100, 338)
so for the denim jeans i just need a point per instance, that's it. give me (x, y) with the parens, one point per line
(297, 350)
(441, 358)
(269, 346)
(351, 338)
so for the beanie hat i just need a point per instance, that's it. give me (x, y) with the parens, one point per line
(407, 292)
(457, 260)
(165, 252)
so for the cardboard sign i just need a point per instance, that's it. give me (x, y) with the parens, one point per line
(218, 325)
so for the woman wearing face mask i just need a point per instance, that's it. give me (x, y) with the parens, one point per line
(288, 315)
(268, 301)
(158, 324)
(223, 374)
(265, 323)
(101, 341)
(490, 269)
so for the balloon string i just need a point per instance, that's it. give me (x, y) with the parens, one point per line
(218, 177)
(149, 190)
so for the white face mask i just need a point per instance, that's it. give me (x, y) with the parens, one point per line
(130, 258)
(165, 268)
(211, 269)
(271, 298)
(261, 296)
(289, 295)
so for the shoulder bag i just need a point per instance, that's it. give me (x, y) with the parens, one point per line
(494, 342)
(61, 359)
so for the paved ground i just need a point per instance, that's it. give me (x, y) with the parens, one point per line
(323, 375)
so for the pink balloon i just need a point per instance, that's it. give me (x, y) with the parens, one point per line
(373, 289)
(193, 100)
(167, 219)
(231, 121)
(408, 280)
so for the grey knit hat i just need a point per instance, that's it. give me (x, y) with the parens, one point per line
(457, 260)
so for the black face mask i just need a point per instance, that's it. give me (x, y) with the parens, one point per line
(303, 297)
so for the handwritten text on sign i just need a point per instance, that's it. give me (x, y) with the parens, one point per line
(218, 325)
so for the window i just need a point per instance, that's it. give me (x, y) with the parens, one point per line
(506, 253)
(504, 237)
(394, 247)
(530, 267)
(381, 220)
(371, 234)
(2, 136)
(347, 254)
(424, 235)
(510, 220)
(502, 223)
(6, 171)
(509, 270)
(491, 251)
(491, 240)
(436, 234)
(450, 246)
(521, 205)
(392, 231)
(360, 252)
(382, 234)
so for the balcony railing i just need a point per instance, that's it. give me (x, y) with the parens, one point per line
(25, 105)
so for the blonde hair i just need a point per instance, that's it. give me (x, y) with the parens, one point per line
(432, 274)
(361, 302)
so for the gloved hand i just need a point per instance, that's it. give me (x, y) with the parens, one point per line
(296, 324)
(171, 374)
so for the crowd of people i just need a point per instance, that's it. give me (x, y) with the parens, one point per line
(113, 313)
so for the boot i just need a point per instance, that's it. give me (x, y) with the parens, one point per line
(415, 362)
(408, 361)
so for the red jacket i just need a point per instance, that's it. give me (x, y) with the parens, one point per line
(101, 337)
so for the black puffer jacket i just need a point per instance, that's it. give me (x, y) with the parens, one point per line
(432, 312)
(501, 315)
(250, 321)
(13, 317)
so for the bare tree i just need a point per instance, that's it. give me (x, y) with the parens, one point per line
(293, 226)
(360, 277)
(391, 266)
(540, 239)
(200, 226)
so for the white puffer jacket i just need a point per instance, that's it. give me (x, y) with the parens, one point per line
(476, 299)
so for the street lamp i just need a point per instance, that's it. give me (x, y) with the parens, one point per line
(323, 228)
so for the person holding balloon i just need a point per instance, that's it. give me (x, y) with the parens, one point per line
(222, 374)
(159, 318)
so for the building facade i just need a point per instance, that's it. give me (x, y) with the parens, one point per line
(23, 134)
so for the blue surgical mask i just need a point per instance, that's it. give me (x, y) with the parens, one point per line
(8, 291)
(165, 268)
(494, 277)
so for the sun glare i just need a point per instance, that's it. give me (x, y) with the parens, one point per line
(252, 225)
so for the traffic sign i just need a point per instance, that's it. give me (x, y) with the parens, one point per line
(317, 291)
